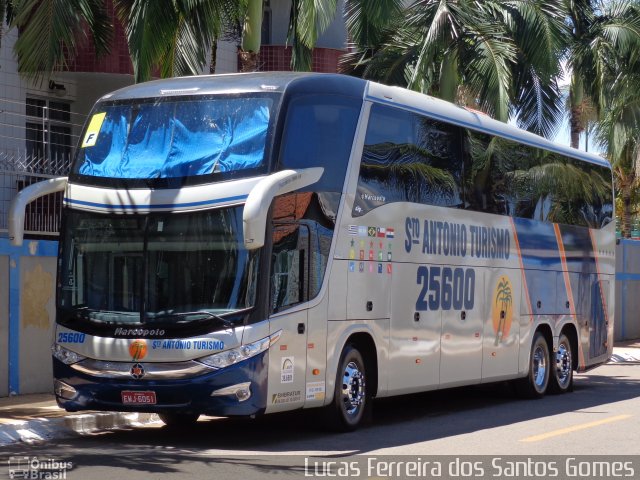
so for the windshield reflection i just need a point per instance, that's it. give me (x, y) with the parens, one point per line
(159, 267)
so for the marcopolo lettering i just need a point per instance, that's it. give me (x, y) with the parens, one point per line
(138, 332)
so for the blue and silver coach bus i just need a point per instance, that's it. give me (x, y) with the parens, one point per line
(248, 244)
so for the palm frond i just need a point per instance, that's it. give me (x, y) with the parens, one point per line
(307, 21)
(51, 31)
(366, 20)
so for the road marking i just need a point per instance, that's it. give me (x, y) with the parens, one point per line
(575, 428)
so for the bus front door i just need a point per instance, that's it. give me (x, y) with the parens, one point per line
(288, 291)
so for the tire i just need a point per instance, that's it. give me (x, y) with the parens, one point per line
(178, 420)
(351, 399)
(535, 384)
(562, 369)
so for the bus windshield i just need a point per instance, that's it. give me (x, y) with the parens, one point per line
(157, 267)
(162, 138)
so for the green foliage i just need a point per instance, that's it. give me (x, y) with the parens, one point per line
(307, 21)
(501, 56)
(52, 30)
(173, 36)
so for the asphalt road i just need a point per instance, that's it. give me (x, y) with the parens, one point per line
(600, 418)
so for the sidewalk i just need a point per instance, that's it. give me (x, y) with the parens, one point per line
(628, 351)
(37, 418)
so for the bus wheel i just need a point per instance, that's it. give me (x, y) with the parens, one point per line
(534, 385)
(350, 399)
(562, 372)
(178, 420)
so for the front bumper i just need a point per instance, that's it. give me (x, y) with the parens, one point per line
(188, 395)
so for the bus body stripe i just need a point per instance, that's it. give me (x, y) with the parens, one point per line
(106, 206)
(541, 262)
(524, 276)
(567, 284)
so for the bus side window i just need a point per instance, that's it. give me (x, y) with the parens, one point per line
(408, 158)
(319, 132)
(510, 178)
(289, 266)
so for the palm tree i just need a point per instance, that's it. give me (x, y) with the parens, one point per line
(249, 51)
(51, 31)
(174, 36)
(170, 37)
(599, 31)
(500, 56)
(618, 131)
(308, 19)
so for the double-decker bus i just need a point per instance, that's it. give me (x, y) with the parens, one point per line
(255, 243)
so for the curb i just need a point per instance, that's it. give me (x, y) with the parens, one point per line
(42, 429)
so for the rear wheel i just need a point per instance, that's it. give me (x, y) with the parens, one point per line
(178, 420)
(535, 384)
(351, 398)
(562, 370)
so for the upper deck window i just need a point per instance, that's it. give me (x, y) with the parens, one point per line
(168, 138)
(319, 132)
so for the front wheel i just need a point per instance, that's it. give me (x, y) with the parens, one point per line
(562, 372)
(350, 399)
(178, 420)
(535, 384)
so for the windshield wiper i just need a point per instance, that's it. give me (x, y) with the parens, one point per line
(224, 321)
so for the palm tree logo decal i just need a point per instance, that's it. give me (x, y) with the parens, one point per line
(502, 309)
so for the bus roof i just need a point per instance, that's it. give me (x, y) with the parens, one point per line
(343, 85)
(243, 83)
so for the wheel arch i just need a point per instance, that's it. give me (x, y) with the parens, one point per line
(572, 334)
(362, 338)
(547, 333)
(365, 344)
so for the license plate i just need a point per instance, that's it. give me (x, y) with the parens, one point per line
(138, 398)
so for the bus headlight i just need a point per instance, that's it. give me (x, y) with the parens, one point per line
(235, 355)
(66, 356)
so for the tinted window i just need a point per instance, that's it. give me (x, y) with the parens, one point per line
(289, 265)
(319, 132)
(508, 178)
(309, 227)
(408, 158)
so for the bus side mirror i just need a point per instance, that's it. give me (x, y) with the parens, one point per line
(254, 216)
(23, 198)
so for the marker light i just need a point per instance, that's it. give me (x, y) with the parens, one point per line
(66, 356)
(235, 355)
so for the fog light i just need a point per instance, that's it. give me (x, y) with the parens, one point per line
(243, 394)
(63, 390)
(242, 391)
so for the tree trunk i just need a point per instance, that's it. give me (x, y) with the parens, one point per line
(214, 57)
(576, 99)
(249, 50)
(575, 126)
(249, 61)
(625, 223)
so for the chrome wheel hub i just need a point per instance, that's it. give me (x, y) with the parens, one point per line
(563, 364)
(539, 368)
(353, 388)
